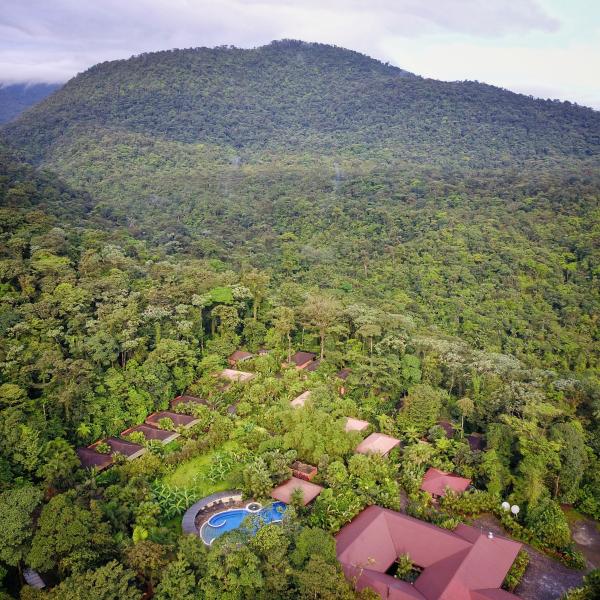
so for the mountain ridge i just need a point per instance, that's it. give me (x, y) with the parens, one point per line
(293, 94)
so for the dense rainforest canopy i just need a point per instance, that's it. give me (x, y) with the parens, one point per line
(440, 240)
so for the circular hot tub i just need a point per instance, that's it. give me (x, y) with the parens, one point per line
(253, 507)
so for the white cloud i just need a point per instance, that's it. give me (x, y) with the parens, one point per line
(563, 73)
(446, 39)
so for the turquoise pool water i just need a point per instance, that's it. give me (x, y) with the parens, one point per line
(228, 520)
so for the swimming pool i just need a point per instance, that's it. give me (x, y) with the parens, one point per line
(227, 520)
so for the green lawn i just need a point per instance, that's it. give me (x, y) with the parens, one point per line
(183, 476)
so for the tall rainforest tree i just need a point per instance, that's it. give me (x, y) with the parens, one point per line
(257, 282)
(321, 312)
(284, 323)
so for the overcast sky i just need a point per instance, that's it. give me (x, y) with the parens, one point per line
(548, 48)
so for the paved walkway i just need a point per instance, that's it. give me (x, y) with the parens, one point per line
(586, 535)
(545, 578)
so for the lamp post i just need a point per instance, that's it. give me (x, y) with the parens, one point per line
(514, 509)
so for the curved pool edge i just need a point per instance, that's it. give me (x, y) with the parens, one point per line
(188, 523)
(277, 504)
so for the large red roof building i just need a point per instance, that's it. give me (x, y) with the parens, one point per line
(463, 564)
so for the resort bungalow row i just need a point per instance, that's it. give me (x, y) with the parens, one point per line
(89, 457)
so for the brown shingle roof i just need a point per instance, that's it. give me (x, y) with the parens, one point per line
(90, 458)
(128, 449)
(476, 441)
(455, 564)
(151, 432)
(284, 491)
(447, 427)
(238, 356)
(179, 420)
(301, 358)
(313, 366)
(344, 374)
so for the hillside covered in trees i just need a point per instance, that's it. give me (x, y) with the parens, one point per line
(438, 240)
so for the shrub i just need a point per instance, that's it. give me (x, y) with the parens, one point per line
(590, 589)
(517, 570)
(172, 501)
(406, 570)
(469, 503)
(137, 437)
(549, 524)
(103, 448)
(573, 559)
(166, 423)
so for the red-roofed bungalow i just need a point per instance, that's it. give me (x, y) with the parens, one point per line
(436, 483)
(302, 359)
(284, 491)
(300, 401)
(377, 443)
(304, 471)
(353, 424)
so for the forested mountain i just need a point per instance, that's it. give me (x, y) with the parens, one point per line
(439, 241)
(307, 97)
(18, 97)
(333, 168)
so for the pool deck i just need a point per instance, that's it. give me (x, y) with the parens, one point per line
(209, 512)
(202, 510)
